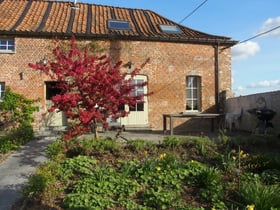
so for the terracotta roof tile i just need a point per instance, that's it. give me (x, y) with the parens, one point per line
(48, 17)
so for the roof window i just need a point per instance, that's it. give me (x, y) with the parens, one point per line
(172, 29)
(118, 25)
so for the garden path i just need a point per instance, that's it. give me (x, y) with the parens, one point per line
(16, 169)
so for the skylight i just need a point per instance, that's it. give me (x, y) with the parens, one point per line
(118, 25)
(173, 29)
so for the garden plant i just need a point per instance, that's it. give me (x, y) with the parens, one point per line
(16, 118)
(140, 174)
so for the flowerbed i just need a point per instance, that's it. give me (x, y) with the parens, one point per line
(181, 173)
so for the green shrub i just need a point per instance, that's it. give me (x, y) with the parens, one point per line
(171, 142)
(271, 176)
(36, 186)
(253, 191)
(209, 183)
(6, 145)
(264, 161)
(15, 138)
(20, 111)
(55, 149)
(20, 107)
(43, 184)
(139, 145)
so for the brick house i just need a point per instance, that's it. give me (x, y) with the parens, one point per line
(187, 72)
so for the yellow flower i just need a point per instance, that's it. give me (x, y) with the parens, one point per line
(250, 207)
(162, 156)
(245, 155)
(233, 157)
(192, 161)
(158, 168)
(145, 152)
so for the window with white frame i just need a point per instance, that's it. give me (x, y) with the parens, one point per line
(193, 89)
(7, 45)
(139, 90)
(2, 90)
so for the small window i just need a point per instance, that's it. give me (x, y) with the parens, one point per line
(172, 29)
(7, 45)
(193, 88)
(118, 25)
(2, 90)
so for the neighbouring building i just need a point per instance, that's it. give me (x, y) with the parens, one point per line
(188, 71)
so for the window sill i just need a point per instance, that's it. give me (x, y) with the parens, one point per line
(7, 52)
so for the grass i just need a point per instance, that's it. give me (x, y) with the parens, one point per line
(180, 173)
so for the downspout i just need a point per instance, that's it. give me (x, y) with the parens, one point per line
(217, 79)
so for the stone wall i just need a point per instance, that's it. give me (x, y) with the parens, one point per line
(243, 104)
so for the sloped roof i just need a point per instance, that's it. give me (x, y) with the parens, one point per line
(57, 18)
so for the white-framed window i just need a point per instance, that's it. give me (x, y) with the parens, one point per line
(139, 90)
(7, 45)
(2, 90)
(193, 93)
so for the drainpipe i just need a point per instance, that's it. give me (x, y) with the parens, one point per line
(217, 79)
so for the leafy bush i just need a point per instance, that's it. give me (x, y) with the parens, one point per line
(55, 149)
(20, 110)
(43, 184)
(253, 191)
(19, 106)
(16, 137)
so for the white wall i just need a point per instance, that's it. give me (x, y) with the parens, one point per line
(248, 122)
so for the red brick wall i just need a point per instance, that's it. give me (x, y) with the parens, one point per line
(169, 65)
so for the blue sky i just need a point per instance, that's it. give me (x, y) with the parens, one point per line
(256, 63)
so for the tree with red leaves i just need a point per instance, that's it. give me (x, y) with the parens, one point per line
(91, 88)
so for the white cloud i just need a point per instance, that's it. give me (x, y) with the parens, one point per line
(245, 50)
(265, 84)
(269, 24)
(240, 90)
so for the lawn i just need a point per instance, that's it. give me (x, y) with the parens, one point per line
(190, 173)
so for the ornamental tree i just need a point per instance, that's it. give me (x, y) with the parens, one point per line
(91, 88)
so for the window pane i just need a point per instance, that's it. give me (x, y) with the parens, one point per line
(118, 25)
(140, 92)
(190, 81)
(2, 90)
(133, 108)
(121, 107)
(11, 42)
(195, 82)
(133, 93)
(195, 105)
(140, 107)
(189, 93)
(2, 47)
(189, 105)
(2, 42)
(10, 47)
(195, 94)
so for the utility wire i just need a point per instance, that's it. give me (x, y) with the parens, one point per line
(253, 37)
(260, 34)
(193, 11)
